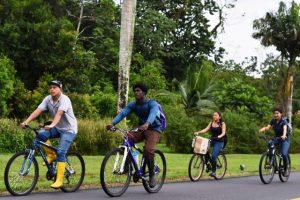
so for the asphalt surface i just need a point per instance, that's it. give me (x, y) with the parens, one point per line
(245, 188)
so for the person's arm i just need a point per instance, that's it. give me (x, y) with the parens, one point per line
(32, 116)
(223, 130)
(126, 111)
(284, 132)
(203, 130)
(264, 129)
(56, 119)
(152, 115)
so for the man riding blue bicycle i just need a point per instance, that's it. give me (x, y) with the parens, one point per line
(63, 126)
(282, 135)
(149, 128)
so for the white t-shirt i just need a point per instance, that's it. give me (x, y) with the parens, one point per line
(68, 121)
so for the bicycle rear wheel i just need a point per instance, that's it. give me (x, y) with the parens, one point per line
(281, 169)
(113, 181)
(221, 167)
(75, 170)
(196, 167)
(160, 168)
(21, 174)
(266, 168)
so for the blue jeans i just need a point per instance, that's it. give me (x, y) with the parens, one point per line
(216, 148)
(66, 138)
(284, 147)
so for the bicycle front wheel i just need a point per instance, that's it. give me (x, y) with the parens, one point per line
(221, 167)
(160, 168)
(114, 181)
(266, 168)
(74, 174)
(281, 169)
(196, 167)
(21, 174)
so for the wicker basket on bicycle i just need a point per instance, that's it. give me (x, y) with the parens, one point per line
(201, 145)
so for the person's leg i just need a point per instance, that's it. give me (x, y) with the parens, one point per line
(44, 136)
(217, 147)
(152, 137)
(66, 139)
(207, 158)
(136, 137)
(285, 145)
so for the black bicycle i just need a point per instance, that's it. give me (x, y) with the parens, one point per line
(118, 165)
(269, 165)
(199, 162)
(22, 170)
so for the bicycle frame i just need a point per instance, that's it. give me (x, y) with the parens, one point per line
(128, 145)
(275, 154)
(37, 144)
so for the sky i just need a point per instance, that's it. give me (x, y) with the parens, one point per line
(238, 29)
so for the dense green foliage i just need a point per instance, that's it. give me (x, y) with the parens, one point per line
(174, 52)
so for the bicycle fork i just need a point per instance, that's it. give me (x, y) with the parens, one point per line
(27, 163)
(123, 161)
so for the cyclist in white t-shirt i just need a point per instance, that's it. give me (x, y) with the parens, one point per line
(63, 126)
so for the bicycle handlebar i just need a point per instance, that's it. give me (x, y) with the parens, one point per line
(267, 138)
(123, 130)
(35, 130)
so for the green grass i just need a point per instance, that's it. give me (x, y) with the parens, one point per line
(177, 168)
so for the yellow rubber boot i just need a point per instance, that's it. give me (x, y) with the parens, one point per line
(61, 167)
(51, 156)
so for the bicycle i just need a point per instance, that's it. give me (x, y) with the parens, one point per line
(199, 162)
(22, 170)
(119, 163)
(268, 164)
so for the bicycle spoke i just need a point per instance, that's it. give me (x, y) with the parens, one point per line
(196, 167)
(16, 181)
(75, 170)
(160, 172)
(266, 168)
(115, 178)
(221, 166)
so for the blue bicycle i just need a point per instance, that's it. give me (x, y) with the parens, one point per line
(119, 163)
(22, 171)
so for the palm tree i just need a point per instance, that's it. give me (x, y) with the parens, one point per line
(196, 91)
(282, 30)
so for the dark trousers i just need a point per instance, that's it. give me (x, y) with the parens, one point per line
(151, 137)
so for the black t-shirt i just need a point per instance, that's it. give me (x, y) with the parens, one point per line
(278, 126)
(216, 131)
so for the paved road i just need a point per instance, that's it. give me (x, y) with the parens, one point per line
(246, 188)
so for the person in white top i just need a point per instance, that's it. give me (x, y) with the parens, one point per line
(63, 126)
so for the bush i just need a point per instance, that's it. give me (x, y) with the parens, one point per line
(12, 137)
(7, 75)
(241, 132)
(295, 141)
(180, 128)
(105, 103)
(82, 105)
(92, 137)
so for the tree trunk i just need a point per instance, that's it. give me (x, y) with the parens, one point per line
(289, 102)
(126, 43)
(289, 90)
